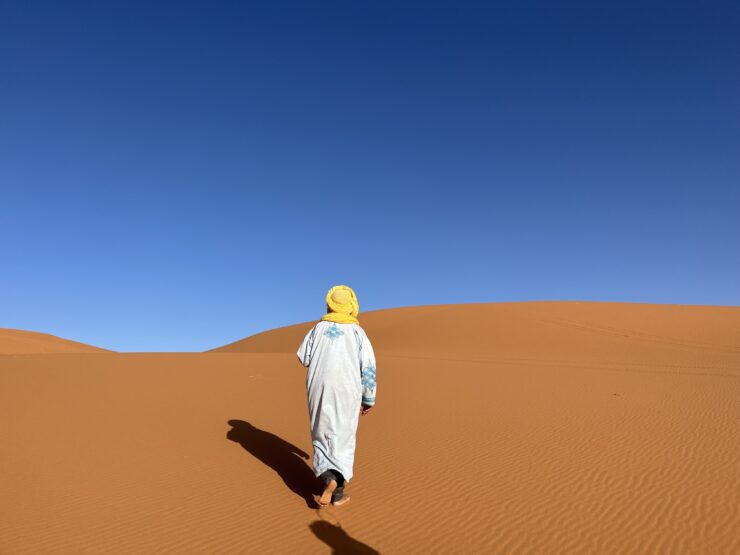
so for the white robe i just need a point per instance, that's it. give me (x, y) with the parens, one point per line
(341, 376)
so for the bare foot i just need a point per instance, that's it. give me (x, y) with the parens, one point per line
(325, 498)
(342, 501)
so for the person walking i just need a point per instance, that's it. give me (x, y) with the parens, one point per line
(341, 386)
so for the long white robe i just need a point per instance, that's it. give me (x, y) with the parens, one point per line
(341, 376)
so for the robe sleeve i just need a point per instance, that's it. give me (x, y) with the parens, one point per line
(367, 366)
(306, 349)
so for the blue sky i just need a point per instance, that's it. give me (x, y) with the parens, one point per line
(181, 175)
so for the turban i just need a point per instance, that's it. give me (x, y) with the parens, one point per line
(342, 306)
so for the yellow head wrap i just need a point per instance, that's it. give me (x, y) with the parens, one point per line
(342, 306)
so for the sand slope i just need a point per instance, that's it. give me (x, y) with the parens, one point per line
(19, 342)
(573, 428)
(570, 333)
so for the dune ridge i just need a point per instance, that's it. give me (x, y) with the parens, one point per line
(19, 342)
(512, 428)
(581, 333)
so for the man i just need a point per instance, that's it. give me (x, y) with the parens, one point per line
(341, 386)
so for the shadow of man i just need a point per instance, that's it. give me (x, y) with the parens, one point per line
(280, 455)
(340, 542)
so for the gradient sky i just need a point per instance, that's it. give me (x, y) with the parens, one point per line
(178, 177)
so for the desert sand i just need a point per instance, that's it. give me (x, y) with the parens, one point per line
(20, 342)
(538, 427)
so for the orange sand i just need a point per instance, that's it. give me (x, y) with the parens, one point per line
(501, 428)
(19, 342)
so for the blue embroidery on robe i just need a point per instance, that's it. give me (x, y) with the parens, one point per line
(368, 377)
(333, 332)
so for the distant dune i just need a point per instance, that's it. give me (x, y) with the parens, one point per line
(19, 342)
(561, 331)
(543, 427)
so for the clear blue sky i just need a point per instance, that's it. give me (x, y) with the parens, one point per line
(176, 176)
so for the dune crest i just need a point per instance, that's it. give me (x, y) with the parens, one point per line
(21, 342)
(578, 332)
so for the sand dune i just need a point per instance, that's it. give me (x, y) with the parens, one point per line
(570, 333)
(19, 342)
(511, 428)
